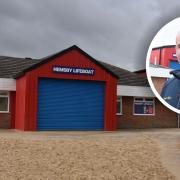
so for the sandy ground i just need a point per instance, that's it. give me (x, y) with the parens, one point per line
(169, 143)
(126, 155)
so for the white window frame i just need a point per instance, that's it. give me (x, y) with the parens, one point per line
(119, 99)
(144, 100)
(7, 95)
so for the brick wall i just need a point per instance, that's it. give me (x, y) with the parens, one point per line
(5, 120)
(163, 118)
(158, 83)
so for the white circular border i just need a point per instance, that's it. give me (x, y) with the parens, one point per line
(150, 80)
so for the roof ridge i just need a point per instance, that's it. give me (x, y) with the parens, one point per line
(60, 53)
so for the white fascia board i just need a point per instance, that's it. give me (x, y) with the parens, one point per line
(7, 84)
(140, 91)
(160, 72)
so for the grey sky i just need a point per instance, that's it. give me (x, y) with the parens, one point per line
(114, 31)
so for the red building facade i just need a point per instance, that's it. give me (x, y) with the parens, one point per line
(164, 56)
(27, 86)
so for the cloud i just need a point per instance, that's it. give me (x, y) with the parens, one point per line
(112, 31)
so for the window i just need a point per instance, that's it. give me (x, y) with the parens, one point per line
(144, 106)
(119, 105)
(4, 101)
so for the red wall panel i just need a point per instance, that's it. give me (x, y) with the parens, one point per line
(27, 89)
(12, 108)
(20, 103)
(162, 56)
(167, 55)
(155, 57)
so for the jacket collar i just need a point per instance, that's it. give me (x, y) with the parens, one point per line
(176, 73)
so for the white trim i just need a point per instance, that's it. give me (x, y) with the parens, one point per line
(155, 60)
(119, 100)
(123, 90)
(144, 101)
(8, 96)
(160, 72)
(7, 84)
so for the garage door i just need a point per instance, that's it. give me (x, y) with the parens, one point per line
(70, 105)
(174, 65)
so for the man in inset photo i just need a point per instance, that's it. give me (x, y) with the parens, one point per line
(171, 89)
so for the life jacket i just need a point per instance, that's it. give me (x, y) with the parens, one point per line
(171, 90)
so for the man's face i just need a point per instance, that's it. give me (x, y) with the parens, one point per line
(178, 47)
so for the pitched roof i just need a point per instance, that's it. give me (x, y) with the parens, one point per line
(53, 56)
(126, 77)
(140, 71)
(12, 67)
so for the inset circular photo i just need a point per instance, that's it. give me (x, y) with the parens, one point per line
(163, 65)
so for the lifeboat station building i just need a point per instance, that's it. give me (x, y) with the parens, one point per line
(71, 90)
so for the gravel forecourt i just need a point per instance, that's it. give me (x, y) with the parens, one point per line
(126, 155)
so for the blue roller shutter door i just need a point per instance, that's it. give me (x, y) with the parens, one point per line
(70, 105)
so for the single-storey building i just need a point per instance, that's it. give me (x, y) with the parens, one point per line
(71, 90)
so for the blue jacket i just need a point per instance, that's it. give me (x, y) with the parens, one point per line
(171, 90)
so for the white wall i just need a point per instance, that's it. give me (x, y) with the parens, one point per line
(7, 84)
(160, 72)
(140, 91)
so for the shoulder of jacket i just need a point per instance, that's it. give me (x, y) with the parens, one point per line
(169, 81)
